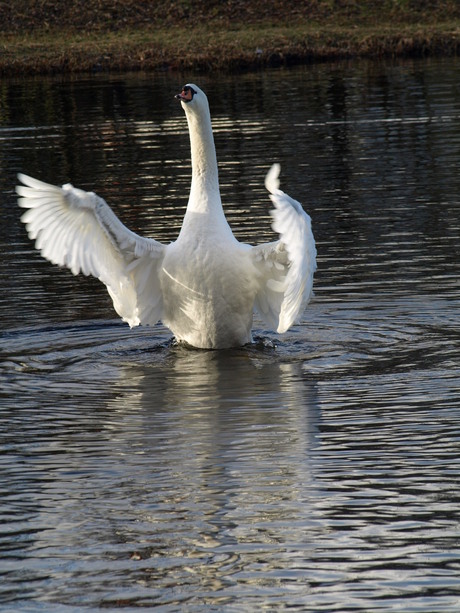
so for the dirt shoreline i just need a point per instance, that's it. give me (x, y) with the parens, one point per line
(43, 37)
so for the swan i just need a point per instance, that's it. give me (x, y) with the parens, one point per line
(205, 285)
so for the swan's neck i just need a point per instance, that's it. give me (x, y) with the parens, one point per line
(204, 192)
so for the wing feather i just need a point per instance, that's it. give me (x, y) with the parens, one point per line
(77, 229)
(286, 267)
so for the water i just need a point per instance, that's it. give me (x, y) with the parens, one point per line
(318, 471)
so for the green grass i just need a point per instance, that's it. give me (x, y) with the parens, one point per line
(222, 41)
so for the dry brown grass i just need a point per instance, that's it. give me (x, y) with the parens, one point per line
(46, 36)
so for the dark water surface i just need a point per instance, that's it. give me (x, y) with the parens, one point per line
(319, 471)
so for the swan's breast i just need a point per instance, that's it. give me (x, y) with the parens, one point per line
(208, 292)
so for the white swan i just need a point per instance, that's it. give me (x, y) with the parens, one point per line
(205, 285)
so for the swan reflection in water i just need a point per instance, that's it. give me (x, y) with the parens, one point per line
(200, 465)
(226, 446)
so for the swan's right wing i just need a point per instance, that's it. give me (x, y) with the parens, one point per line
(285, 267)
(77, 229)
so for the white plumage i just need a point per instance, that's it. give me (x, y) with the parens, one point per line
(205, 285)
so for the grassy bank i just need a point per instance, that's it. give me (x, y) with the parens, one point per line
(46, 36)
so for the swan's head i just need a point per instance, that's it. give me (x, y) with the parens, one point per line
(193, 98)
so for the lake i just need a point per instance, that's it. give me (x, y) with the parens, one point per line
(314, 471)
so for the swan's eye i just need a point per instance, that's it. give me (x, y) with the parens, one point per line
(188, 92)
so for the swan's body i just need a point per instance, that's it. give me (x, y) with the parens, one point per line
(205, 285)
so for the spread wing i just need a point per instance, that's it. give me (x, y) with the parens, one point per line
(79, 230)
(286, 267)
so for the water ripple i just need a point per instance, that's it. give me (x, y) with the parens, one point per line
(316, 471)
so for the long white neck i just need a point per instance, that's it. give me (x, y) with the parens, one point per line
(204, 192)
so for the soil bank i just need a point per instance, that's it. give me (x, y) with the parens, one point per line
(49, 36)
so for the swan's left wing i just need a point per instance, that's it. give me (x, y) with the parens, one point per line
(79, 230)
(285, 267)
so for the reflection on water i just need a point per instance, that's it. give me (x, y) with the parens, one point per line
(318, 471)
(186, 475)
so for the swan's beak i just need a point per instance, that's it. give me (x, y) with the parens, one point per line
(186, 94)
